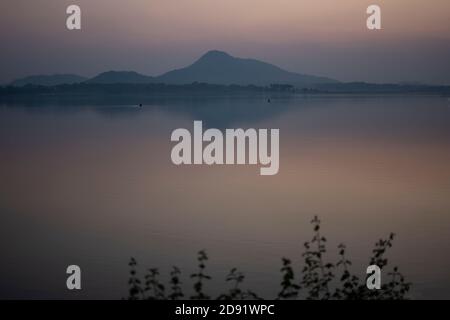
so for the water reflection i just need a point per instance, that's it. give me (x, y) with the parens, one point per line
(94, 185)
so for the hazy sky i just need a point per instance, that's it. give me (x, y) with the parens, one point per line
(322, 37)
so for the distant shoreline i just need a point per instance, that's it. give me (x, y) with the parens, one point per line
(82, 91)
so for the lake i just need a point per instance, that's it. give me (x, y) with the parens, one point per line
(94, 185)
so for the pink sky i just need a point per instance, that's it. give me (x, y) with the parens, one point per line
(323, 37)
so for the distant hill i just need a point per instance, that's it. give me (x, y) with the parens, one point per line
(217, 67)
(49, 80)
(111, 77)
(214, 67)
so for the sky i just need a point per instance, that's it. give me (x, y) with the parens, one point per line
(320, 37)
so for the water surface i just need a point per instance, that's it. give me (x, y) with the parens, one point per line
(94, 185)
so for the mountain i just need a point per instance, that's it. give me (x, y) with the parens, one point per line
(120, 77)
(49, 80)
(217, 67)
(214, 67)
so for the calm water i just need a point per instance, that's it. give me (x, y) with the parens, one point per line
(94, 185)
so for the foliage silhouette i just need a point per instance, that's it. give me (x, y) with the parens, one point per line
(320, 280)
(200, 277)
(154, 290)
(289, 289)
(175, 283)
